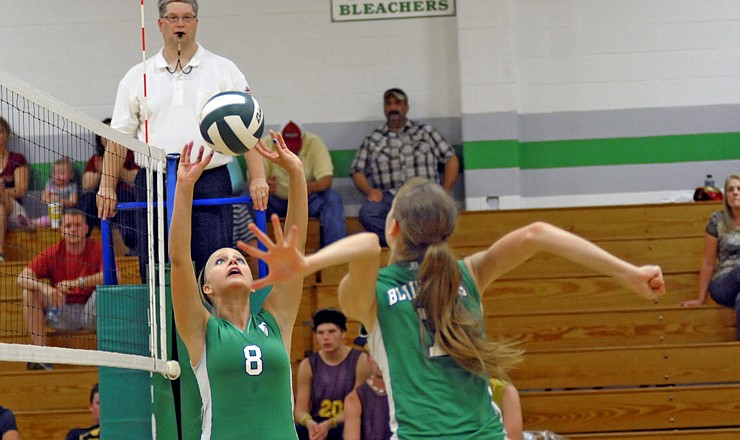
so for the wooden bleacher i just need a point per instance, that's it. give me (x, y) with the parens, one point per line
(601, 362)
(46, 403)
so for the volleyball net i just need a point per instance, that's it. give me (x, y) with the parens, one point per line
(54, 163)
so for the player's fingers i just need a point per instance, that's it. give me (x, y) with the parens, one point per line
(185, 156)
(279, 237)
(251, 250)
(261, 236)
(208, 158)
(292, 238)
(262, 149)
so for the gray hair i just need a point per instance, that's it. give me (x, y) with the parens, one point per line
(163, 5)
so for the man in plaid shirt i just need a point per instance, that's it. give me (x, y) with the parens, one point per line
(397, 151)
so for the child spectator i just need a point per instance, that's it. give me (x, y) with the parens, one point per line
(93, 432)
(506, 398)
(366, 412)
(62, 280)
(8, 427)
(61, 189)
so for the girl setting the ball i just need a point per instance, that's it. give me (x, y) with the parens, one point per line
(240, 359)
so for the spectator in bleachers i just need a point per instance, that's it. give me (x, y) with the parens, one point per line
(124, 190)
(60, 190)
(366, 412)
(325, 378)
(13, 186)
(59, 283)
(93, 432)
(323, 201)
(506, 398)
(719, 275)
(8, 427)
(392, 154)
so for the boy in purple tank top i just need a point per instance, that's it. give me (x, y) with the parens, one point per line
(366, 411)
(325, 378)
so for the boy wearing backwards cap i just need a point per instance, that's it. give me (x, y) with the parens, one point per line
(326, 377)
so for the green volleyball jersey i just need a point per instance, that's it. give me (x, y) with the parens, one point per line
(429, 395)
(245, 381)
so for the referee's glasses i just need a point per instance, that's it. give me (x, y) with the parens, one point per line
(173, 19)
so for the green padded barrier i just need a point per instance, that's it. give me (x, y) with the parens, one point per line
(126, 407)
(126, 403)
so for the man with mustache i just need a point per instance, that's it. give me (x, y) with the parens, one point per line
(397, 151)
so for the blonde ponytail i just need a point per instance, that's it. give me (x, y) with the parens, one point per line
(426, 215)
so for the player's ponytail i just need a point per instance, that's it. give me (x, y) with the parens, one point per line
(426, 216)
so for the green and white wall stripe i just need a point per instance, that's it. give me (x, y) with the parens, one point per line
(578, 102)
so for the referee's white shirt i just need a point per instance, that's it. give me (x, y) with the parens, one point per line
(174, 101)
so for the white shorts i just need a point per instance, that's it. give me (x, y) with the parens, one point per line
(76, 317)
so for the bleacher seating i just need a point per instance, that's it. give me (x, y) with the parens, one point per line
(601, 362)
(46, 403)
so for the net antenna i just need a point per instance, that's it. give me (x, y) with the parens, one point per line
(160, 276)
(44, 129)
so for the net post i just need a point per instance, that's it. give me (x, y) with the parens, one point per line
(260, 218)
(109, 259)
(173, 160)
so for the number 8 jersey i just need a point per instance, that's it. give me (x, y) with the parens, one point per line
(245, 381)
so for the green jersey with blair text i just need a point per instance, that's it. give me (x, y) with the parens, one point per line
(429, 395)
(245, 381)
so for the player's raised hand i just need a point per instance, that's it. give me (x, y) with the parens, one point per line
(189, 171)
(281, 155)
(285, 261)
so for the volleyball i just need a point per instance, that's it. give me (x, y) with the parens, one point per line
(232, 122)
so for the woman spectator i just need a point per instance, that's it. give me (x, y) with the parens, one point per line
(124, 192)
(13, 186)
(719, 274)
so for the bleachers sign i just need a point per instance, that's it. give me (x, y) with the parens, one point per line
(357, 10)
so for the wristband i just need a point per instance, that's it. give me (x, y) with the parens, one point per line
(304, 419)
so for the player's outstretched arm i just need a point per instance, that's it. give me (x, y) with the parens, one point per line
(357, 289)
(518, 246)
(190, 315)
(285, 297)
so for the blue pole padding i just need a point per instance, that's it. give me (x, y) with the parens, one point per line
(109, 257)
(261, 221)
(172, 161)
(200, 202)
